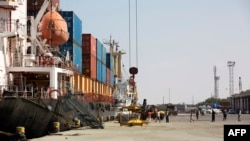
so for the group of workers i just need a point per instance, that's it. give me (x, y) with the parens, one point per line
(157, 116)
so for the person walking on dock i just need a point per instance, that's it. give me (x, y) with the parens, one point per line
(213, 115)
(197, 112)
(239, 114)
(191, 116)
(167, 116)
(224, 114)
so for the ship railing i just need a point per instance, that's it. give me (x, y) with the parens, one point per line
(12, 25)
(31, 91)
(15, 91)
(51, 92)
(52, 61)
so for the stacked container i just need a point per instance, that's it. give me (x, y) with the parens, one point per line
(101, 62)
(74, 44)
(89, 55)
(110, 69)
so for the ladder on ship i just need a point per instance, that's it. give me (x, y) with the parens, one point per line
(17, 62)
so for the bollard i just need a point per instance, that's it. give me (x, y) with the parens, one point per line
(20, 133)
(78, 122)
(20, 130)
(56, 127)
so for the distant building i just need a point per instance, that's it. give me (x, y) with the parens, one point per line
(241, 101)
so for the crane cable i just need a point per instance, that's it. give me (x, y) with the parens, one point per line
(130, 36)
(136, 36)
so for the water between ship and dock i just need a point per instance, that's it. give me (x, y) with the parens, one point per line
(178, 129)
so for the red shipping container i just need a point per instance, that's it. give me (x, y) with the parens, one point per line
(89, 65)
(88, 44)
(108, 76)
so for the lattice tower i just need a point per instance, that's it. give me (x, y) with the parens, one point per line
(231, 65)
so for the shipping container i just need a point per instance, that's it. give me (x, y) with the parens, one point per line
(104, 52)
(85, 84)
(100, 51)
(104, 73)
(92, 89)
(98, 70)
(108, 76)
(101, 72)
(77, 58)
(89, 65)
(74, 26)
(112, 78)
(75, 54)
(88, 44)
(76, 82)
(99, 47)
(109, 61)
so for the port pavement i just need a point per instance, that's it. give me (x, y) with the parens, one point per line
(178, 129)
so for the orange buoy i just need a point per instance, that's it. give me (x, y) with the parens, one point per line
(54, 28)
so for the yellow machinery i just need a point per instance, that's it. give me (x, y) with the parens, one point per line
(132, 118)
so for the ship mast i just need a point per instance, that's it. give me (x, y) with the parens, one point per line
(117, 56)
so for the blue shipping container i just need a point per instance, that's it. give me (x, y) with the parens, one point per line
(109, 61)
(101, 72)
(104, 52)
(100, 51)
(98, 70)
(104, 73)
(74, 26)
(77, 58)
(75, 54)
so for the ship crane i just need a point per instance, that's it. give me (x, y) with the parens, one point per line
(46, 31)
(34, 40)
(34, 35)
(133, 70)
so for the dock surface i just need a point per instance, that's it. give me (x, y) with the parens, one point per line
(179, 128)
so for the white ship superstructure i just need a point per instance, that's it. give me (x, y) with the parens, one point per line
(24, 54)
(13, 32)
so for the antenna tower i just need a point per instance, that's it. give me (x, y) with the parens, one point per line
(231, 65)
(240, 85)
(216, 84)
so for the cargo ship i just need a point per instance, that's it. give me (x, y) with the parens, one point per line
(37, 84)
(52, 74)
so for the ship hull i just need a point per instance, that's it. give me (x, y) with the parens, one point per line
(23, 112)
(38, 115)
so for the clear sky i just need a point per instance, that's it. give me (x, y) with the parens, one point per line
(179, 43)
